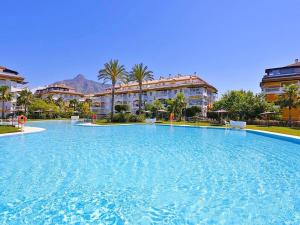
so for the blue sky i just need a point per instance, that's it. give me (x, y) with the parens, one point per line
(228, 43)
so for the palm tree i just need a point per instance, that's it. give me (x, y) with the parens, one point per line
(140, 73)
(60, 103)
(290, 99)
(179, 104)
(49, 99)
(74, 104)
(113, 72)
(5, 96)
(25, 99)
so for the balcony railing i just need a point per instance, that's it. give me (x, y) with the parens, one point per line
(273, 90)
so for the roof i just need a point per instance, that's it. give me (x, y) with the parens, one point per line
(162, 80)
(63, 92)
(9, 74)
(194, 81)
(293, 65)
(59, 86)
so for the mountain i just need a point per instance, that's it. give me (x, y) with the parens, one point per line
(81, 84)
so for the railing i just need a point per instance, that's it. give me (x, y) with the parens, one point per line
(145, 87)
(272, 90)
(9, 122)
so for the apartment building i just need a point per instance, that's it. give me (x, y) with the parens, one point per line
(275, 79)
(197, 93)
(60, 90)
(15, 82)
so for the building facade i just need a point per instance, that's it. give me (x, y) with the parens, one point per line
(60, 91)
(197, 93)
(273, 83)
(15, 82)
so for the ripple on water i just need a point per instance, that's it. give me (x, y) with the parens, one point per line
(148, 175)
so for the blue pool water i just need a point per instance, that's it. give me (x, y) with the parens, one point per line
(147, 174)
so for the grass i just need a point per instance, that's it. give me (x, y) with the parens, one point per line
(282, 130)
(187, 123)
(105, 122)
(48, 119)
(8, 129)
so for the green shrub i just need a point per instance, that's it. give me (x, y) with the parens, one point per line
(192, 111)
(124, 118)
(132, 118)
(121, 108)
(120, 118)
(140, 118)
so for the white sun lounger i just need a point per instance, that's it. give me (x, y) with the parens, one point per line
(151, 120)
(238, 124)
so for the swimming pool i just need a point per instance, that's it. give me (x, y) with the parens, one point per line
(148, 174)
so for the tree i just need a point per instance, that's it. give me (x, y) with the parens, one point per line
(192, 111)
(49, 99)
(140, 73)
(121, 108)
(290, 99)
(113, 72)
(170, 106)
(84, 109)
(25, 99)
(157, 105)
(73, 104)
(43, 107)
(61, 104)
(179, 105)
(5, 96)
(243, 105)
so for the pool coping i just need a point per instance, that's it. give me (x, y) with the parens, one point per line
(27, 130)
(183, 125)
(251, 130)
(100, 125)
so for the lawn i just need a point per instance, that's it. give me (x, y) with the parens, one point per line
(282, 130)
(8, 129)
(105, 122)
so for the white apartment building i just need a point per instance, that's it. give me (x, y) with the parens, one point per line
(60, 90)
(197, 93)
(14, 81)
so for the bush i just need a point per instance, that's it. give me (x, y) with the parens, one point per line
(192, 111)
(132, 118)
(124, 118)
(140, 118)
(120, 118)
(121, 108)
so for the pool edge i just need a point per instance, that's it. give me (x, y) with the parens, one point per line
(27, 130)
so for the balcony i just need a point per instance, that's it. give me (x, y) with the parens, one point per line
(278, 90)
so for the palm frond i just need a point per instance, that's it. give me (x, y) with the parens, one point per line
(113, 72)
(140, 73)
